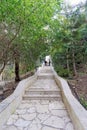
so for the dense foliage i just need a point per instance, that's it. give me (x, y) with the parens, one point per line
(69, 43)
(22, 34)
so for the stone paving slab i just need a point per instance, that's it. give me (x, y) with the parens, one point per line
(40, 115)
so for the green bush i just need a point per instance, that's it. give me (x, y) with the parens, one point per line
(61, 71)
(83, 102)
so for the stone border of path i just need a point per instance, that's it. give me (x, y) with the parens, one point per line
(9, 105)
(77, 113)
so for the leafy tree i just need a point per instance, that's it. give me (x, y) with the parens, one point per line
(23, 37)
(67, 45)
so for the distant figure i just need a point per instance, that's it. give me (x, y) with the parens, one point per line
(47, 61)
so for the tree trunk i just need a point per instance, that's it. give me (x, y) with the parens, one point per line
(68, 68)
(17, 77)
(74, 64)
(86, 10)
(2, 68)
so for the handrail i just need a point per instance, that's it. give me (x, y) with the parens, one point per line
(9, 105)
(76, 111)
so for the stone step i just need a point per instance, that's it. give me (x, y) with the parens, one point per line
(45, 76)
(46, 71)
(42, 89)
(41, 97)
(36, 92)
(34, 89)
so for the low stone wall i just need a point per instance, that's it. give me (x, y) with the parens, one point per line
(77, 113)
(9, 105)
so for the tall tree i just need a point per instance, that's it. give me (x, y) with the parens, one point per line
(23, 25)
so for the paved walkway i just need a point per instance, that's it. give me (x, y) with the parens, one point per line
(42, 107)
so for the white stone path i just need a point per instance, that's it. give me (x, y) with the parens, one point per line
(42, 107)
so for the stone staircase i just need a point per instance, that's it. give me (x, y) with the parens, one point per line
(34, 93)
(42, 107)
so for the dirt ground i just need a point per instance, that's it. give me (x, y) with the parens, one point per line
(9, 87)
(79, 87)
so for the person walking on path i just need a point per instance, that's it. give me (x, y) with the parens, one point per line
(47, 61)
